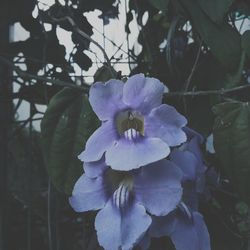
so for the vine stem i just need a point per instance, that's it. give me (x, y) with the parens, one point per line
(43, 79)
(24, 74)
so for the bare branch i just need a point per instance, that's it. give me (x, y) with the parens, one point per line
(23, 74)
(86, 36)
(221, 92)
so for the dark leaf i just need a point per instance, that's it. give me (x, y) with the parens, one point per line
(55, 52)
(129, 18)
(232, 143)
(112, 12)
(83, 24)
(216, 10)
(103, 74)
(32, 25)
(215, 35)
(160, 5)
(66, 126)
(82, 60)
(245, 42)
(12, 11)
(38, 93)
(40, 50)
(26, 170)
(103, 6)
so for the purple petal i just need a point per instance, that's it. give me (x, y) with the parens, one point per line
(187, 162)
(126, 155)
(192, 133)
(158, 187)
(145, 242)
(106, 99)
(121, 229)
(98, 143)
(202, 232)
(89, 194)
(194, 146)
(166, 123)
(162, 225)
(143, 93)
(182, 231)
(193, 234)
(190, 195)
(95, 168)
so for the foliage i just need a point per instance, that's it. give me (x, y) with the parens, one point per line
(191, 46)
(231, 137)
(66, 126)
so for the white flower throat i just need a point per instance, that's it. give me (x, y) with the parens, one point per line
(122, 183)
(130, 124)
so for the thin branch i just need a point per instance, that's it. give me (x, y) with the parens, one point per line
(170, 34)
(25, 74)
(86, 36)
(49, 216)
(188, 82)
(194, 67)
(221, 92)
(115, 45)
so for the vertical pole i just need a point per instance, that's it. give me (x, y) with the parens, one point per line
(5, 126)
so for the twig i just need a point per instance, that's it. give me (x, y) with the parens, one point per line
(24, 74)
(115, 45)
(221, 92)
(188, 82)
(170, 34)
(193, 68)
(86, 36)
(49, 216)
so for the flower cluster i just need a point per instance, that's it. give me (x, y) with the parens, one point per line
(141, 185)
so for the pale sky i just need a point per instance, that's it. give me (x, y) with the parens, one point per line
(114, 31)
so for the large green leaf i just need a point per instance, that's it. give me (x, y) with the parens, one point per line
(26, 161)
(215, 9)
(232, 143)
(223, 40)
(245, 42)
(67, 124)
(160, 4)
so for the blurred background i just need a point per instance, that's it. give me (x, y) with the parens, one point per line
(199, 49)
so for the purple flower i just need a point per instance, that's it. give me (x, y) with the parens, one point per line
(185, 226)
(189, 159)
(125, 200)
(136, 128)
(186, 232)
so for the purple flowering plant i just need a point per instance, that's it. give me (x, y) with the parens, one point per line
(139, 194)
(133, 121)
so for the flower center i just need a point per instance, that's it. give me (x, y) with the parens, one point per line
(121, 196)
(122, 184)
(130, 124)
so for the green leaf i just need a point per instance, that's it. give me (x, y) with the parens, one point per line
(216, 10)
(160, 5)
(66, 126)
(232, 143)
(245, 42)
(222, 39)
(38, 93)
(83, 61)
(104, 73)
(26, 159)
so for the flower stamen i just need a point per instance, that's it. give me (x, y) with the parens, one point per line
(130, 124)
